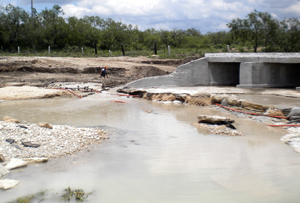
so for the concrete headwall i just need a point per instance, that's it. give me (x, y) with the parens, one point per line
(189, 74)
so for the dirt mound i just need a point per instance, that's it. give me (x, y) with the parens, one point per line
(145, 71)
(121, 70)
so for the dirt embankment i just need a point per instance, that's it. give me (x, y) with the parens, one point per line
(121, 70)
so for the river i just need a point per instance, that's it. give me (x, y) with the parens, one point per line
(158, 156)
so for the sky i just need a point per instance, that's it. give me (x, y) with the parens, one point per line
(204, 15)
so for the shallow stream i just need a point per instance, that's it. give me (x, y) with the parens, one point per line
(157, 156)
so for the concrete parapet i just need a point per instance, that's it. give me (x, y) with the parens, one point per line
(254, 57)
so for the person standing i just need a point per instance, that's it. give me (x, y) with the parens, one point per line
(103, 72)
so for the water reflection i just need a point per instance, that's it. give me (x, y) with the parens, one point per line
(158, 156)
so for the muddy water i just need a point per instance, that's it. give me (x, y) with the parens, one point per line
(278, 101)
(157, 156)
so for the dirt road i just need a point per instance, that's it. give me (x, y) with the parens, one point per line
(46, 70)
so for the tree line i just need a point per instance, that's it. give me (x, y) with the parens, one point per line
(50, 28)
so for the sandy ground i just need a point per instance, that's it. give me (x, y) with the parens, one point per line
(45, 70)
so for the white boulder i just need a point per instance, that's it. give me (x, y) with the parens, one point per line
(7, 184)
(16, 163)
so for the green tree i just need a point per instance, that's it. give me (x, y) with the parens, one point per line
(289, 35)
(54, 26)
(256, 27)
(12, 25)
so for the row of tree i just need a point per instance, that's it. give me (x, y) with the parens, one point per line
(50, 28)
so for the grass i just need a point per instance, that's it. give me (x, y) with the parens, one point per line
(39, 197)
(77, 195)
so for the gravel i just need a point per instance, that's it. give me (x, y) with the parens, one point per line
(60, 141)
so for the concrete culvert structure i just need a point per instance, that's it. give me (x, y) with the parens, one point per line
(246, 70)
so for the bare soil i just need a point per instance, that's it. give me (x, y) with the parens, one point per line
(46, 70)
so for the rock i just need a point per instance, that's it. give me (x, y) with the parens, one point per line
(29, 144)
(234, 101)
(177, 102)
(17, 146)
(295, 119)
(219, 98)
(2, 159)
(45, 125)
(294, 112)
(273, 112)
(224, 102)
(285, 111)
(22, 126)
(198, 101)
(3, 171)
(168, 97)
(16, 163)
(10, 141)
(36, 160)
(10, 120)
(7, 184)
(253, 106)
(217, 129)
(214, 119)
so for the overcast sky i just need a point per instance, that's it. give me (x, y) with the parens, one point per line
(205, 15)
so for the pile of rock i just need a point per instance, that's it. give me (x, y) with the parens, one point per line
(32, 140)
(217, 125)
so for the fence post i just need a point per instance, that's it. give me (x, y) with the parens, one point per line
(169, 50)
(155, 49)
(49, 49)
(82, 50)
(1, 48)
(122, 47)
(228, 49)
(18, 50)
(110, 52)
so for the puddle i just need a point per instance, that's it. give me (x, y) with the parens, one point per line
(157, 156)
